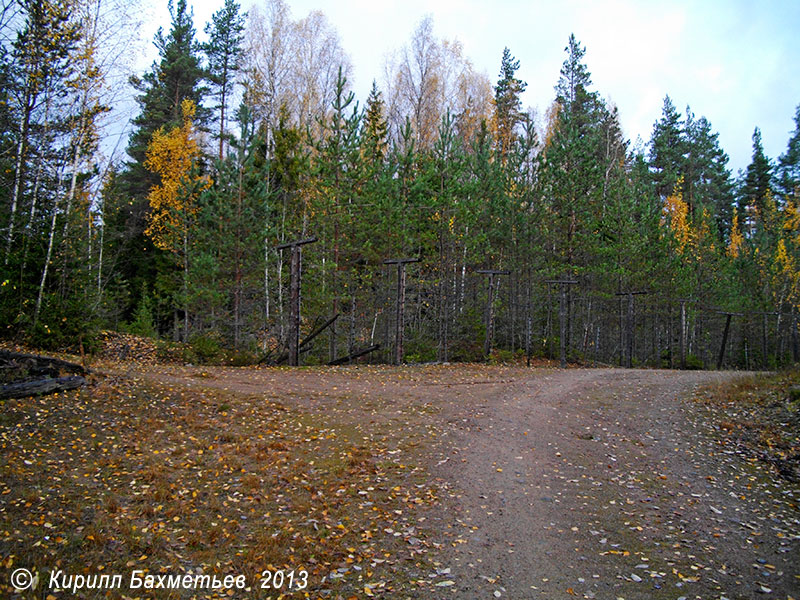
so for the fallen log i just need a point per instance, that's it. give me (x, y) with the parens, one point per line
(39, 365)
(354, 355)
(40, 387)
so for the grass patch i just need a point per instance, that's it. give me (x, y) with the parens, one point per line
(760, 415)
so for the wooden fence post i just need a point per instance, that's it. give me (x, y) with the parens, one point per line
(294, 297)
(721, 356)
(562, 316)
(629, 326)
(489, 314)
(401, 304)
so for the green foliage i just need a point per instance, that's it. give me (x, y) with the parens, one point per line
(420, 350)
(224, 52)
(502, 357)
(693, 363)
(205, 348)
(482, 191)
(64, 325)
(143, 322)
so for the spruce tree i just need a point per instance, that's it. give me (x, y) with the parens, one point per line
(667, 150)
(788, 170)
(755, 192)
(176, 76)
(507, 104)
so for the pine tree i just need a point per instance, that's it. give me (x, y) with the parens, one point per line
(707, 180)
(225, 278)
(572, 161)
(224, 52)
(575, 79)
(374, 141)
(337, 174)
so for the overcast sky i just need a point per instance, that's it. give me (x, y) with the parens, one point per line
(735, 62)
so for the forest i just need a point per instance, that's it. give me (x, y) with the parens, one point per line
(253, 139)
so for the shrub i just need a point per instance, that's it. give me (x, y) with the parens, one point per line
(143, 323)
(693, 363)
(205, 348)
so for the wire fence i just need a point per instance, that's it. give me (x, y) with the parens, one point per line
(454, 318)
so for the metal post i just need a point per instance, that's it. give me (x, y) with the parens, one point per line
(294, 298)
(401, 302)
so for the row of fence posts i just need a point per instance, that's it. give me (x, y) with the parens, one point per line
(627, 329)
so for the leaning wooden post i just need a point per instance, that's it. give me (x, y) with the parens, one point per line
(489, 314)
(721, 356)
(294, 297)
(562, 317)
(629, 326)
(401, 304)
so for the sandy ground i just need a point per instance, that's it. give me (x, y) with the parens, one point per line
(586, 483)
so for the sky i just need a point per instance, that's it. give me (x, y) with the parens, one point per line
(735, 62)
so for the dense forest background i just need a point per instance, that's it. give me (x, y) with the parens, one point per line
(253, 139)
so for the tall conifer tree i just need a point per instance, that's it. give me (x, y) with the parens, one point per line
(224, 52)
(176, 76)
(507, 104)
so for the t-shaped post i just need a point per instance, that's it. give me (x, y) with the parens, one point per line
(489, 314)
(401, 304)
(629, 326)
(562, 314)
(294, 297)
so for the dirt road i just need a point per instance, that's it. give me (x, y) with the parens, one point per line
(557, 484)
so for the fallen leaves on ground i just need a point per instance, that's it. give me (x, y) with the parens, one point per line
(129, 474)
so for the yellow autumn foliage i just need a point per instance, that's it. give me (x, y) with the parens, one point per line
(737, 239)
(173, 156)
(676, 218)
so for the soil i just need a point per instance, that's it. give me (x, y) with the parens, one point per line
(593, 483)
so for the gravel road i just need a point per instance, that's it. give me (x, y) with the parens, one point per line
(611, 484)
(588, 483)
